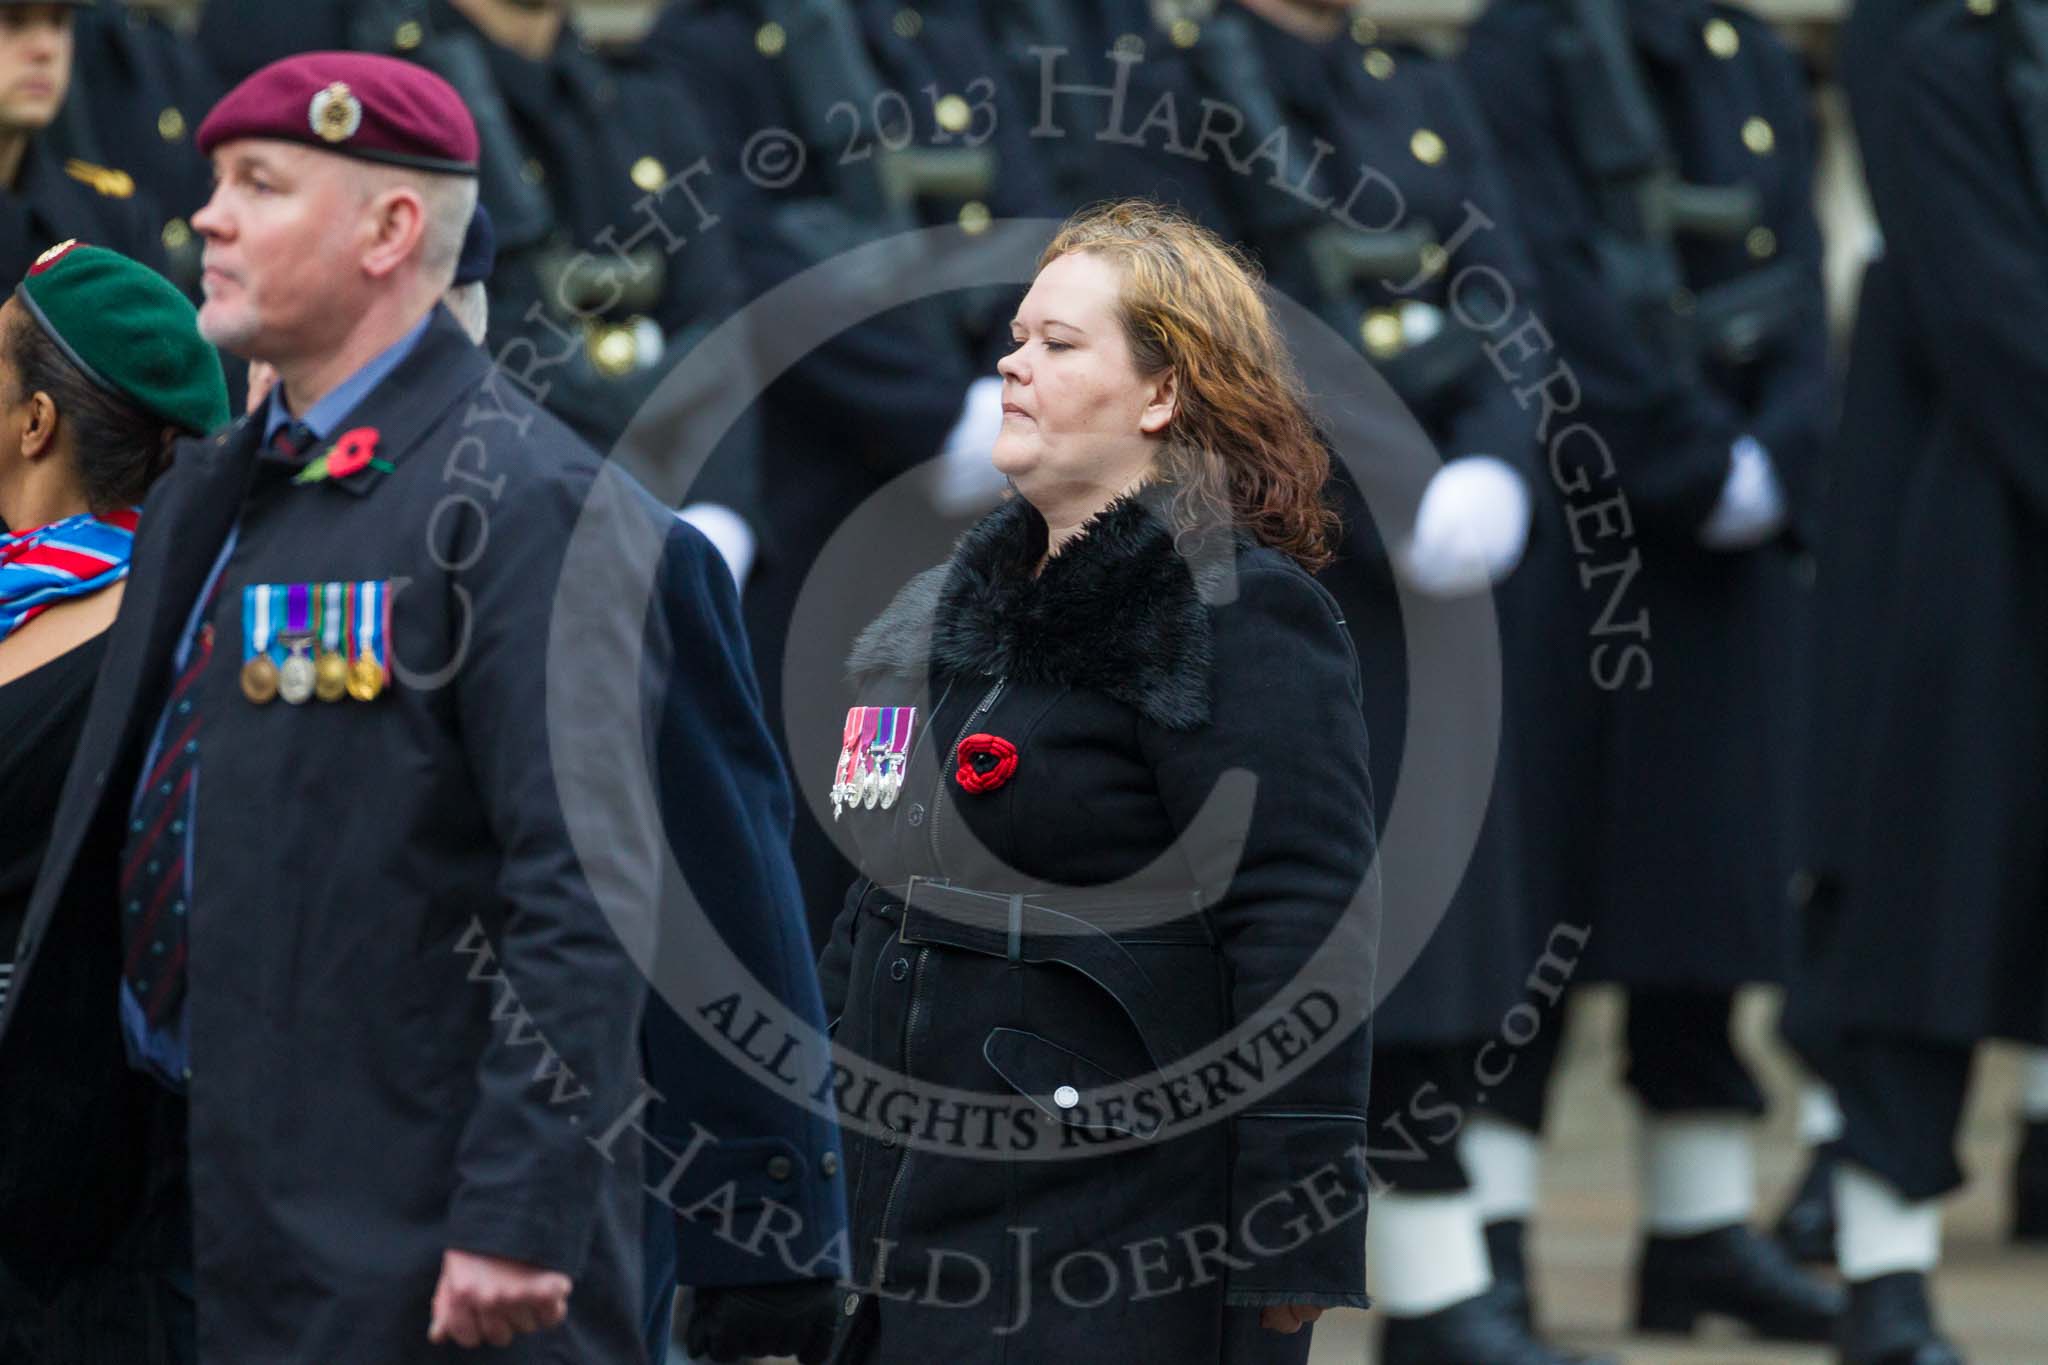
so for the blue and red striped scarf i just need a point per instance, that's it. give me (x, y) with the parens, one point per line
(73, 557)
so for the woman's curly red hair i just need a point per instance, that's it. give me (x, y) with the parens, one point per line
(1241, 447)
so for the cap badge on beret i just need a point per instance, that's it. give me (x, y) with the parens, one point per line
(52, 256)
(335, 113)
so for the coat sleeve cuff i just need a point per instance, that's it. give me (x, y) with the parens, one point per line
(1299, 1193)
(529, 1235)
(759, 1211)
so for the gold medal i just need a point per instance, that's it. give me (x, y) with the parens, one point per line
(330, 676)
(259, 680)
(365, 679)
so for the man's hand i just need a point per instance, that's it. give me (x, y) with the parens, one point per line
(745, 1321)
(1288, 1318)
(482, 1299)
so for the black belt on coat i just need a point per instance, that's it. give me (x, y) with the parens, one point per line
(1087, 931)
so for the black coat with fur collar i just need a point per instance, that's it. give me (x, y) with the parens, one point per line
(1103, 1080)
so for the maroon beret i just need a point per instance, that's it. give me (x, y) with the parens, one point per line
(355, 103)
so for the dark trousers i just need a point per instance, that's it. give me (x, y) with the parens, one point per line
(1421, 1099)
(1902, 1105)
(1681, 1060)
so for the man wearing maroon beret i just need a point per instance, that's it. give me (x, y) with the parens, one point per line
(382, 850)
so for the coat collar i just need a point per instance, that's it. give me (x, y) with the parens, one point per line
(407, 403)
(1122, 610)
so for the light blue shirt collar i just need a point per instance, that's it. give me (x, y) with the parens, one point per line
(324, 416)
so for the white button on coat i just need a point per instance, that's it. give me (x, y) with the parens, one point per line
(1066, 1097)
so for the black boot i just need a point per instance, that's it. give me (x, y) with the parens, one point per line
(1733, 1273)
(1507, 1251)
(1474, 1331)
(1806, 1227)
(2030, 1186)
(1889, 1322)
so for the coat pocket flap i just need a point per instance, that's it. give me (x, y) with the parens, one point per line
(1063, 1083)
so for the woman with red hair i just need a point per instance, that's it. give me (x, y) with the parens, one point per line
(1110, 959)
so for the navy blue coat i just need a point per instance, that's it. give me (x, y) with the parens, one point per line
(1665, 714)
(1389, 107)
(420, 924)
(858, 415)
(139, 91)
(1934, 928)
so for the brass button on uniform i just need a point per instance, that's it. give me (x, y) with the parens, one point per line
(1364, 31)
(769, 39)
(649, 174)
(1383, 334)
(1379, 63)
(1762, 243)
(408, 36)
(1982, 8)
(974, 218)
(907, 24)
(780, 1168)
(614, 351)
(170, 124)
(1434, 259)
(1130, 46)
(1721, 38)
(176, 234)
(1427, 147)
(1185, 33)
(1758, 135)
(953, 113)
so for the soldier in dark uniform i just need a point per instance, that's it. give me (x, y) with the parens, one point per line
(329, 699)
(1661, 158)
(1933, 935)
(47, 194)
(1391, 107)
(1091, 49)
(145, 86)
(851, 427)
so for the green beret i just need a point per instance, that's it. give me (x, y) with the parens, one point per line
(129, 331)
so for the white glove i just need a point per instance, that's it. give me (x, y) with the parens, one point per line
(1470, 528)
(728, 533)
(964, 480)
(1752, 505)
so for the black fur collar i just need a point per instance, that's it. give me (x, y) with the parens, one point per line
(1122, 610)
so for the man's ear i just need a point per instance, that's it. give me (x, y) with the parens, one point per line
(398, 219)
(38, 426)
(1160, 407)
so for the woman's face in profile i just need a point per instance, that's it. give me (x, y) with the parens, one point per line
(1079, 421)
